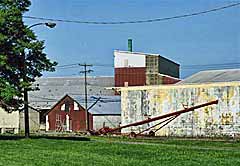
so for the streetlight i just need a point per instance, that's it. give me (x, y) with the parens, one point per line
(48, 24)
(25, 91)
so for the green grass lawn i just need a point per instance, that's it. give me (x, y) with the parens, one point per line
(109, 151)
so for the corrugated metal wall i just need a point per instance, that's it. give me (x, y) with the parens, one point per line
(111, 121)
(216, 120)
(135, 76)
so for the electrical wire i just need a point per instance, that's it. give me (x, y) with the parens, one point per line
(137, 21)
(44, 98)
(211, 65)
(182, 66)
(90, 100)
(76, 65)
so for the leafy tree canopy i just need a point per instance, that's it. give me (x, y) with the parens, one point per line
(18, 46)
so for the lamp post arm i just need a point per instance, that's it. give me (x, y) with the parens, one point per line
(41, 23)
(48, 24)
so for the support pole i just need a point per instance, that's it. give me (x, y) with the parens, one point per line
(25, 98)
(85, 86)
(26, 114)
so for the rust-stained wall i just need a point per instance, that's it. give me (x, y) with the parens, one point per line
(135, 76)
(139, 103)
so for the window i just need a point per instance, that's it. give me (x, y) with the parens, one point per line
(67, 106)
(76, 106)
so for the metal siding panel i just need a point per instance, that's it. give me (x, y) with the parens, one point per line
(133, 60)
(169, 80)
(111, 121)
(134, 76)
(168, 67)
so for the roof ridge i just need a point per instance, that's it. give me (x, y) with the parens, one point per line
(223, 70)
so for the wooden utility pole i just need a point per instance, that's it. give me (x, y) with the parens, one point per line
(25, 97)
(85, 71)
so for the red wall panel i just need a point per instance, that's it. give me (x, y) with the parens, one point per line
(135, 76)
(169, 80)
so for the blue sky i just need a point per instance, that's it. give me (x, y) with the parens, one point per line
(213, 38)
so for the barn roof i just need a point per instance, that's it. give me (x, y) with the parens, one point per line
(60, 100)
(107, 105)
(213, 76)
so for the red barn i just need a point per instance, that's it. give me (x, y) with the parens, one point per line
(67, 115)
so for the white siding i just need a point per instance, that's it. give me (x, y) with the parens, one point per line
(9, 120)
(126, 59)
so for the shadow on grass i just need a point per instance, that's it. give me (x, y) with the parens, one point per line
(15, 137)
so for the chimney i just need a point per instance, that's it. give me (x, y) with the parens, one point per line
(130, 45)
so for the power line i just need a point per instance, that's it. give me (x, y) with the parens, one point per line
(216, 64)
(137, 21)
(68, 65)
(90, 99)
(212, 68)
(182, 66)
(44, 98)
(74, 65)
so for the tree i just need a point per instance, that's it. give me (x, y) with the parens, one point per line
(22, 59)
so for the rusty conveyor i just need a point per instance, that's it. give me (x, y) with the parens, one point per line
(170, 116)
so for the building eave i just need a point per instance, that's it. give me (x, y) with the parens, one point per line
(175, 86)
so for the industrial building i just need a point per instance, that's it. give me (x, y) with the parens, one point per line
(139, 69)
(144, 102)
